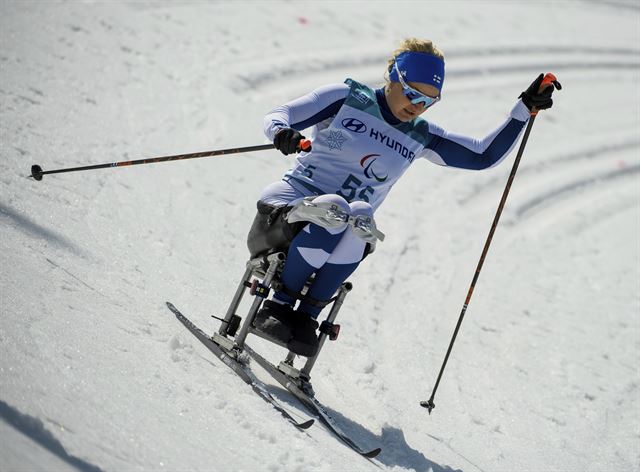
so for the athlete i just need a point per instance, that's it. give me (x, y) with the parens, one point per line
(363, 140)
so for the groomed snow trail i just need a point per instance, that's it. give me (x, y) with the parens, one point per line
(98, 375)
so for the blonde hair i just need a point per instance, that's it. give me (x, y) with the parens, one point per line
(414, 45)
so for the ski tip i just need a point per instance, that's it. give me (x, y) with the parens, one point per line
(171, 306)
(373, 453)
(174, 310)
(306, 424)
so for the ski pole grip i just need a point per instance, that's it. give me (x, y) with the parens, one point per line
(547, 81)
(304, 145)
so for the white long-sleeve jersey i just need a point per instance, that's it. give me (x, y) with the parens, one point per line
(360, 150)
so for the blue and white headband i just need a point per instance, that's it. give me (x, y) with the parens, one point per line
(419, 67)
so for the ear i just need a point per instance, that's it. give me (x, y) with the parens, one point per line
(392, 86)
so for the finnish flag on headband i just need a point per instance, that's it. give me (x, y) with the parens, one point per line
(419, 67)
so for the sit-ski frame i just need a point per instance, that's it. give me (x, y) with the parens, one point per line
(268, 269)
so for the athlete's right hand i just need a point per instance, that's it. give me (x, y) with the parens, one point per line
(287, 141)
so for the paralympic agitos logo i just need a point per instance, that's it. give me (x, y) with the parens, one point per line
(367, 164)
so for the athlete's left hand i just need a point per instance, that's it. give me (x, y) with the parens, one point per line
(540, 99)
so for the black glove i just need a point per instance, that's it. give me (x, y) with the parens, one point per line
(532, 97)
(287, 141)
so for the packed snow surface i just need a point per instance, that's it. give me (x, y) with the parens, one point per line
(97, 374)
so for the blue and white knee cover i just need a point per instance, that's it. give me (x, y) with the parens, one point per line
(333, 253)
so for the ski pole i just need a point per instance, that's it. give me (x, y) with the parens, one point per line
(37, 172)
(548, 81)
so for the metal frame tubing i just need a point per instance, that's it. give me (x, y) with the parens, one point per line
(237, 298)
(345, 288)
(275, 260)
(254, 267)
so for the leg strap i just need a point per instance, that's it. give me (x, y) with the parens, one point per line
(280, 287)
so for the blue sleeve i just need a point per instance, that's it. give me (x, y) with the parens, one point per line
(455, 150)
(306, 111)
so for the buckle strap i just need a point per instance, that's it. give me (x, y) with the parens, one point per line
(330, 215)
(304, 298)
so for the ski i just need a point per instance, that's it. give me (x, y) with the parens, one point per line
(311, 403)
(241, 370)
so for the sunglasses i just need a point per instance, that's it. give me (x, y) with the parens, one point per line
(414, 96)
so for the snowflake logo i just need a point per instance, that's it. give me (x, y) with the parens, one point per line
(335, 140)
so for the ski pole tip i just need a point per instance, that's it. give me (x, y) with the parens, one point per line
(429, 405)
(36, 172)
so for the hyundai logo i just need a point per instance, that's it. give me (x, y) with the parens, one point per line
(354, 125)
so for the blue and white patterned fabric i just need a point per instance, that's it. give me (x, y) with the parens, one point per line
(359, 152)
(360, 149)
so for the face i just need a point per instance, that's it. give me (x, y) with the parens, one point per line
(401, 106)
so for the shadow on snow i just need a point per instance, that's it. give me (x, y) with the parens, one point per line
(34, 229)
(35, 430)
(395, 450)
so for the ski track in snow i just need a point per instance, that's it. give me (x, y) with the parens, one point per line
(98, 375)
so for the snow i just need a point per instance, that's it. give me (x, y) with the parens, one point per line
(98, 374)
